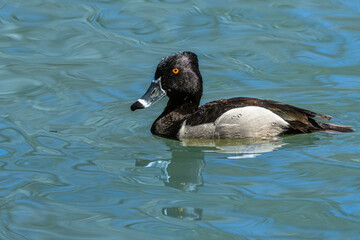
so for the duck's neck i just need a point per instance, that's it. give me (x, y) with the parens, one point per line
(169, 122)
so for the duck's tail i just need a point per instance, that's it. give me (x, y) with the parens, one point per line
(334, 128)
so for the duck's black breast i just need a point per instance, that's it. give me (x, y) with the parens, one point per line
(171, 119)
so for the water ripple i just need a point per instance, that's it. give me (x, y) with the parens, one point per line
(76, 163)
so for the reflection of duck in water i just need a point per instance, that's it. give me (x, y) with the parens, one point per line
(243, 148)
(182, 171)
(186, 213)
(178, 77)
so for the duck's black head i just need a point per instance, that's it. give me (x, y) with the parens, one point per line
(178, 77)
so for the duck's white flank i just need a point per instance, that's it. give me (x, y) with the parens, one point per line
(244, 122)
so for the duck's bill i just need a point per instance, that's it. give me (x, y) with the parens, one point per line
(152, 95)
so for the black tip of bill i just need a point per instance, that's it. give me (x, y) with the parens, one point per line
(137, 105)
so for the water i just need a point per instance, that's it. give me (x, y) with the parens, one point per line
(76, 163)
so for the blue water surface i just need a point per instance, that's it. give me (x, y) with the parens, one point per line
(76, 163)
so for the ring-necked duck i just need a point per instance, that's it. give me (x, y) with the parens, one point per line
(178, 77)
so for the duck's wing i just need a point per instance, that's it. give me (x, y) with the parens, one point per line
(300, 120)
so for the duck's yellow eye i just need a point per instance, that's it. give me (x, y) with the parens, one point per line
(175, 71)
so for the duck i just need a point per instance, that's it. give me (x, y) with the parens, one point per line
(178, 77)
